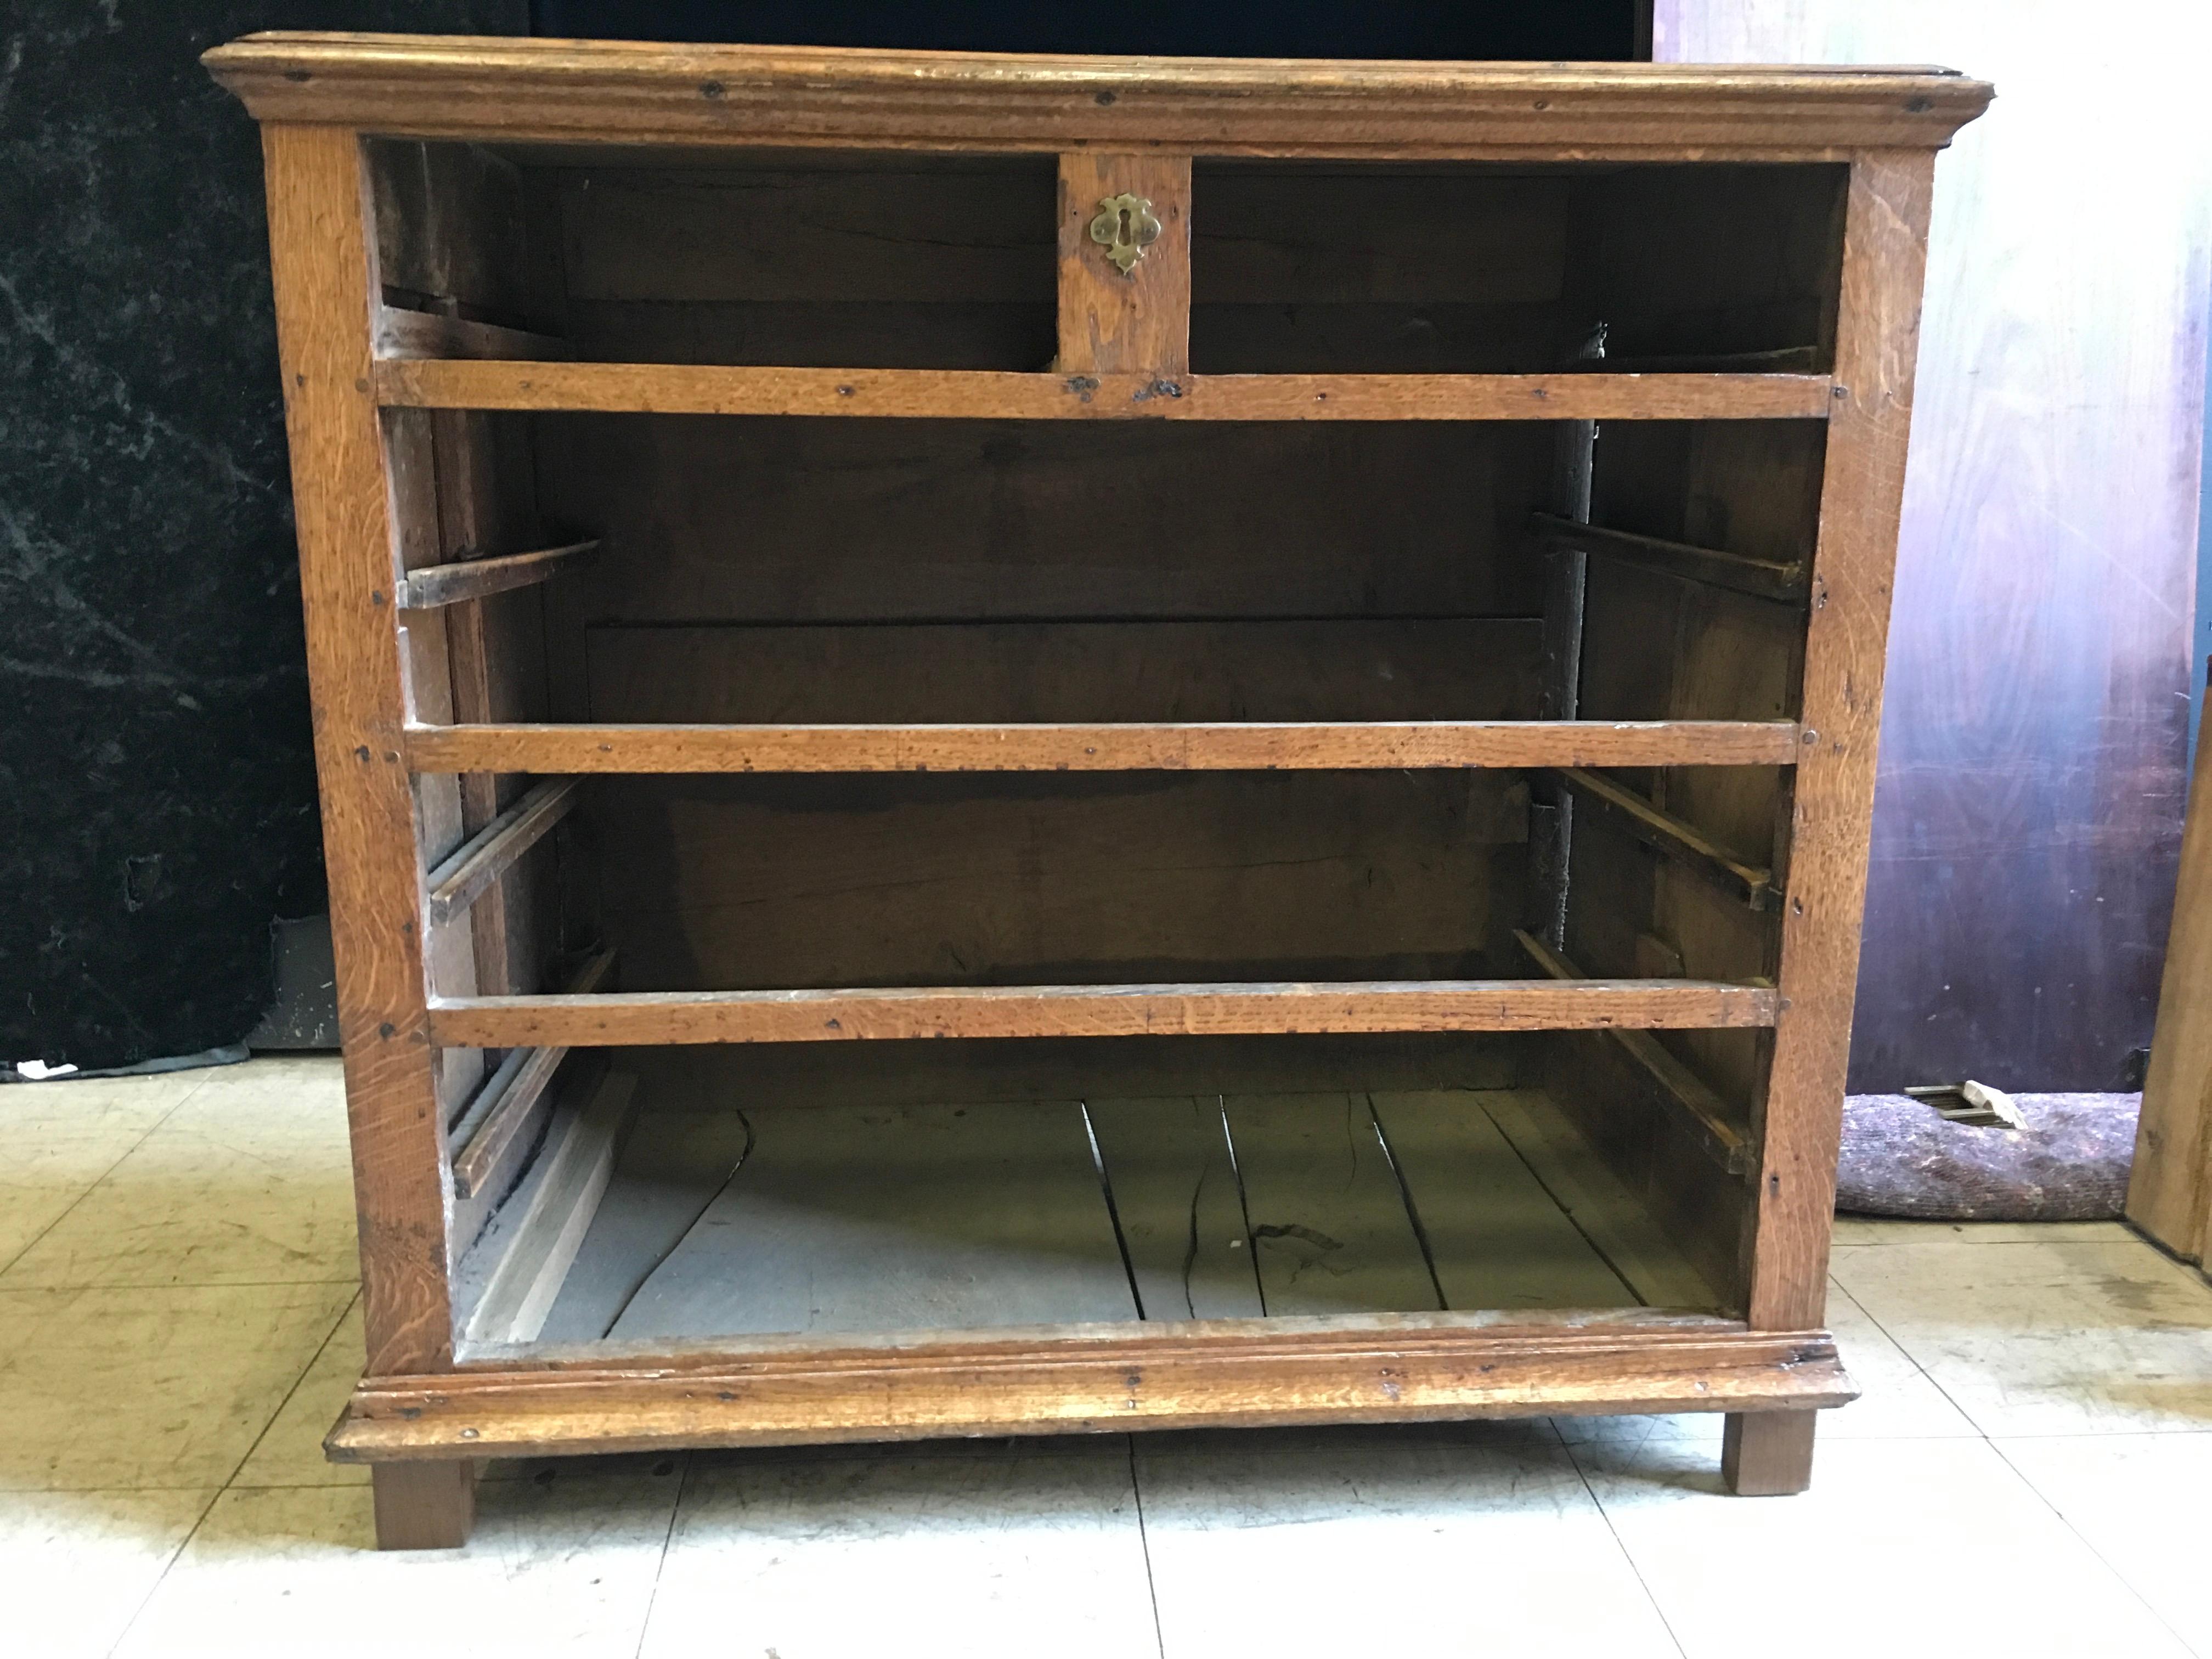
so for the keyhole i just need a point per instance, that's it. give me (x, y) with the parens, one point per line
(1129, 232)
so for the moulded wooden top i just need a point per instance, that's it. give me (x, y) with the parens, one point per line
(464, 86)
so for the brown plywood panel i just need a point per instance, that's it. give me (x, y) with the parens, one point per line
(2027, 817)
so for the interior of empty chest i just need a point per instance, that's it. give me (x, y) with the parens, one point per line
(856, 571)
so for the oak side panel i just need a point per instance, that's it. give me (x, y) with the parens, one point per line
(1877, 339)
(1111, 323)
(325, 289)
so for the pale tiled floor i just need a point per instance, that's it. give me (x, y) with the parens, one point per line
(2026, 1476)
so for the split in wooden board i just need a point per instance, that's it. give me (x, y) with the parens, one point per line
(785, 1217)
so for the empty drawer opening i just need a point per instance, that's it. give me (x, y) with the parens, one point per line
(1470, 268)
(684, 1199)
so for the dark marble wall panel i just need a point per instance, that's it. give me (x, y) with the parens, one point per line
(156, 794)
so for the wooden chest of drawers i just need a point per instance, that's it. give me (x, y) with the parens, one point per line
(1023, 744)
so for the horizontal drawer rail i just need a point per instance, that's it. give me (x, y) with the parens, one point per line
(969, 394)
(1375, 1368)
(649, 1017)
(1225, 746)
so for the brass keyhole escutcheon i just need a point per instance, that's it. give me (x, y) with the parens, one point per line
(1125, 227)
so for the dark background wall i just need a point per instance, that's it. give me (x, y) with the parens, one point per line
(156, 796)
(1563, 29)
(157, 808)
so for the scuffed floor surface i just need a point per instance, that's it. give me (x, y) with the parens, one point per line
(2025, 1477)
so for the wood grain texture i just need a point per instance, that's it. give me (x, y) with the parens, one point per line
(914, 1218)
(1112, 324)
(972, 394)
(1331, 1232)
(512, 1276)
(480, 861)
(737, 883)
(1224, 1374)
(451, 235)
(403, 334)
(1322, 238)
(504, 1120)
(927, 239)
(1702, 1116)
(325, 287)
(970, 673)
(1494, 1236)
(1603, 1208)
(498, 1119)
(1240, 746)
(486, 499)
(1714, 266)
(1673, 838)
(1100, 1011)
(1768, 1454)
(783, 521)
(425, 673)
(1799, 1122)
(1177, 1206)
(456, 86)
(479, 579)
(424, 1505)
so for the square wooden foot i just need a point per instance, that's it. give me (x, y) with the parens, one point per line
(424, 1506)
(1768, 1453)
